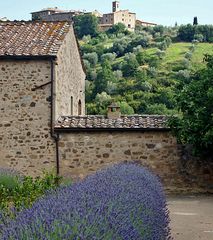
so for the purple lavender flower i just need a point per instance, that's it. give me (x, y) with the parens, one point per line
(125, 201)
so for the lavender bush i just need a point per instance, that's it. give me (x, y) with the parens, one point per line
(122, 202)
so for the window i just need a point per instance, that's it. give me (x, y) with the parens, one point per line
(79, 107)
(71, 106)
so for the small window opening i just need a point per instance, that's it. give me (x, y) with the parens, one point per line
(79, 107)
(71, 106)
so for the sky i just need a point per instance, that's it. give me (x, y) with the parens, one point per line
(165, 12)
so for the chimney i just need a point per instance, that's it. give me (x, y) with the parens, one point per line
(115, 6)
(114, 111)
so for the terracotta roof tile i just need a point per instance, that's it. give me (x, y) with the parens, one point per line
(32, 38)
(102, 122)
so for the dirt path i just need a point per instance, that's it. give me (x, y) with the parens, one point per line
(191, 217)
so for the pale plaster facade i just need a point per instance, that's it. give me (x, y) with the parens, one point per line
(121, 16)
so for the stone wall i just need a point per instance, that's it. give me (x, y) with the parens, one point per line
(83, 153)
(63, 16)
(25, 141)
(70, 78)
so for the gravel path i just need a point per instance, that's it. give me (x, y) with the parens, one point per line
(191, 217)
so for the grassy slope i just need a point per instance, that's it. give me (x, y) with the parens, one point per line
(176, 52)
(174, 56)
(200, 50)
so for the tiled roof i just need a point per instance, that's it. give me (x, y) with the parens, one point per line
(50, 9)
(102, 122)
(32, 38)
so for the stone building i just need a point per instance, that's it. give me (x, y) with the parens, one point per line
(55, 14)
(3, 19)
(118, 16)
(41, 78)
(145, 24)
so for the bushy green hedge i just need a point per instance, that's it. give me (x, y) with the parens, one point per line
(19, 192)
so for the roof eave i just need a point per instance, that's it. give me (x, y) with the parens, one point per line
(67, 130)
(29, 57)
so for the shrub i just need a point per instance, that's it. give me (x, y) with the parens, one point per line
(108, 56)
(188, 55)
(20, 192)
(91, 57)
(9, 178)
(122, 202)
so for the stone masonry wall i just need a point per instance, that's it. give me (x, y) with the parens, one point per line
(84, 153)
(70, 78)
(25, 141)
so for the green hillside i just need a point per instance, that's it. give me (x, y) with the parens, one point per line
(142, 71)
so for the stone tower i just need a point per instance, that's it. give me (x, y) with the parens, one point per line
(115, 6)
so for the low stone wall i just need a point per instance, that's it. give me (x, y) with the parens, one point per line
(83, 153)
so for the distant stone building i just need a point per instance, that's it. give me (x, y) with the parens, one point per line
(55, 14)
(118, 16)
(95, 13)
(145, 24)
(3, 19)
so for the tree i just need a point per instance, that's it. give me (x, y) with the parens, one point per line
(119, 46)
(199, 37)
(108, 56)
(91, 57)
(105, 75)
(130, 65)
(186, 32)
(102, 101)
(195, 22)
(126, 109)
(117, 28)
(86, 24)
(195, 126)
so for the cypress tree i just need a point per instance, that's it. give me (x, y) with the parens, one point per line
(195, 22)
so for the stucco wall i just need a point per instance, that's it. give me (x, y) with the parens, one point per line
(25, 141)
(83, 153)
(70, 78)
(124, 16)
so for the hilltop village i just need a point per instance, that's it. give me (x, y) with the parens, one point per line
(105, 20)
